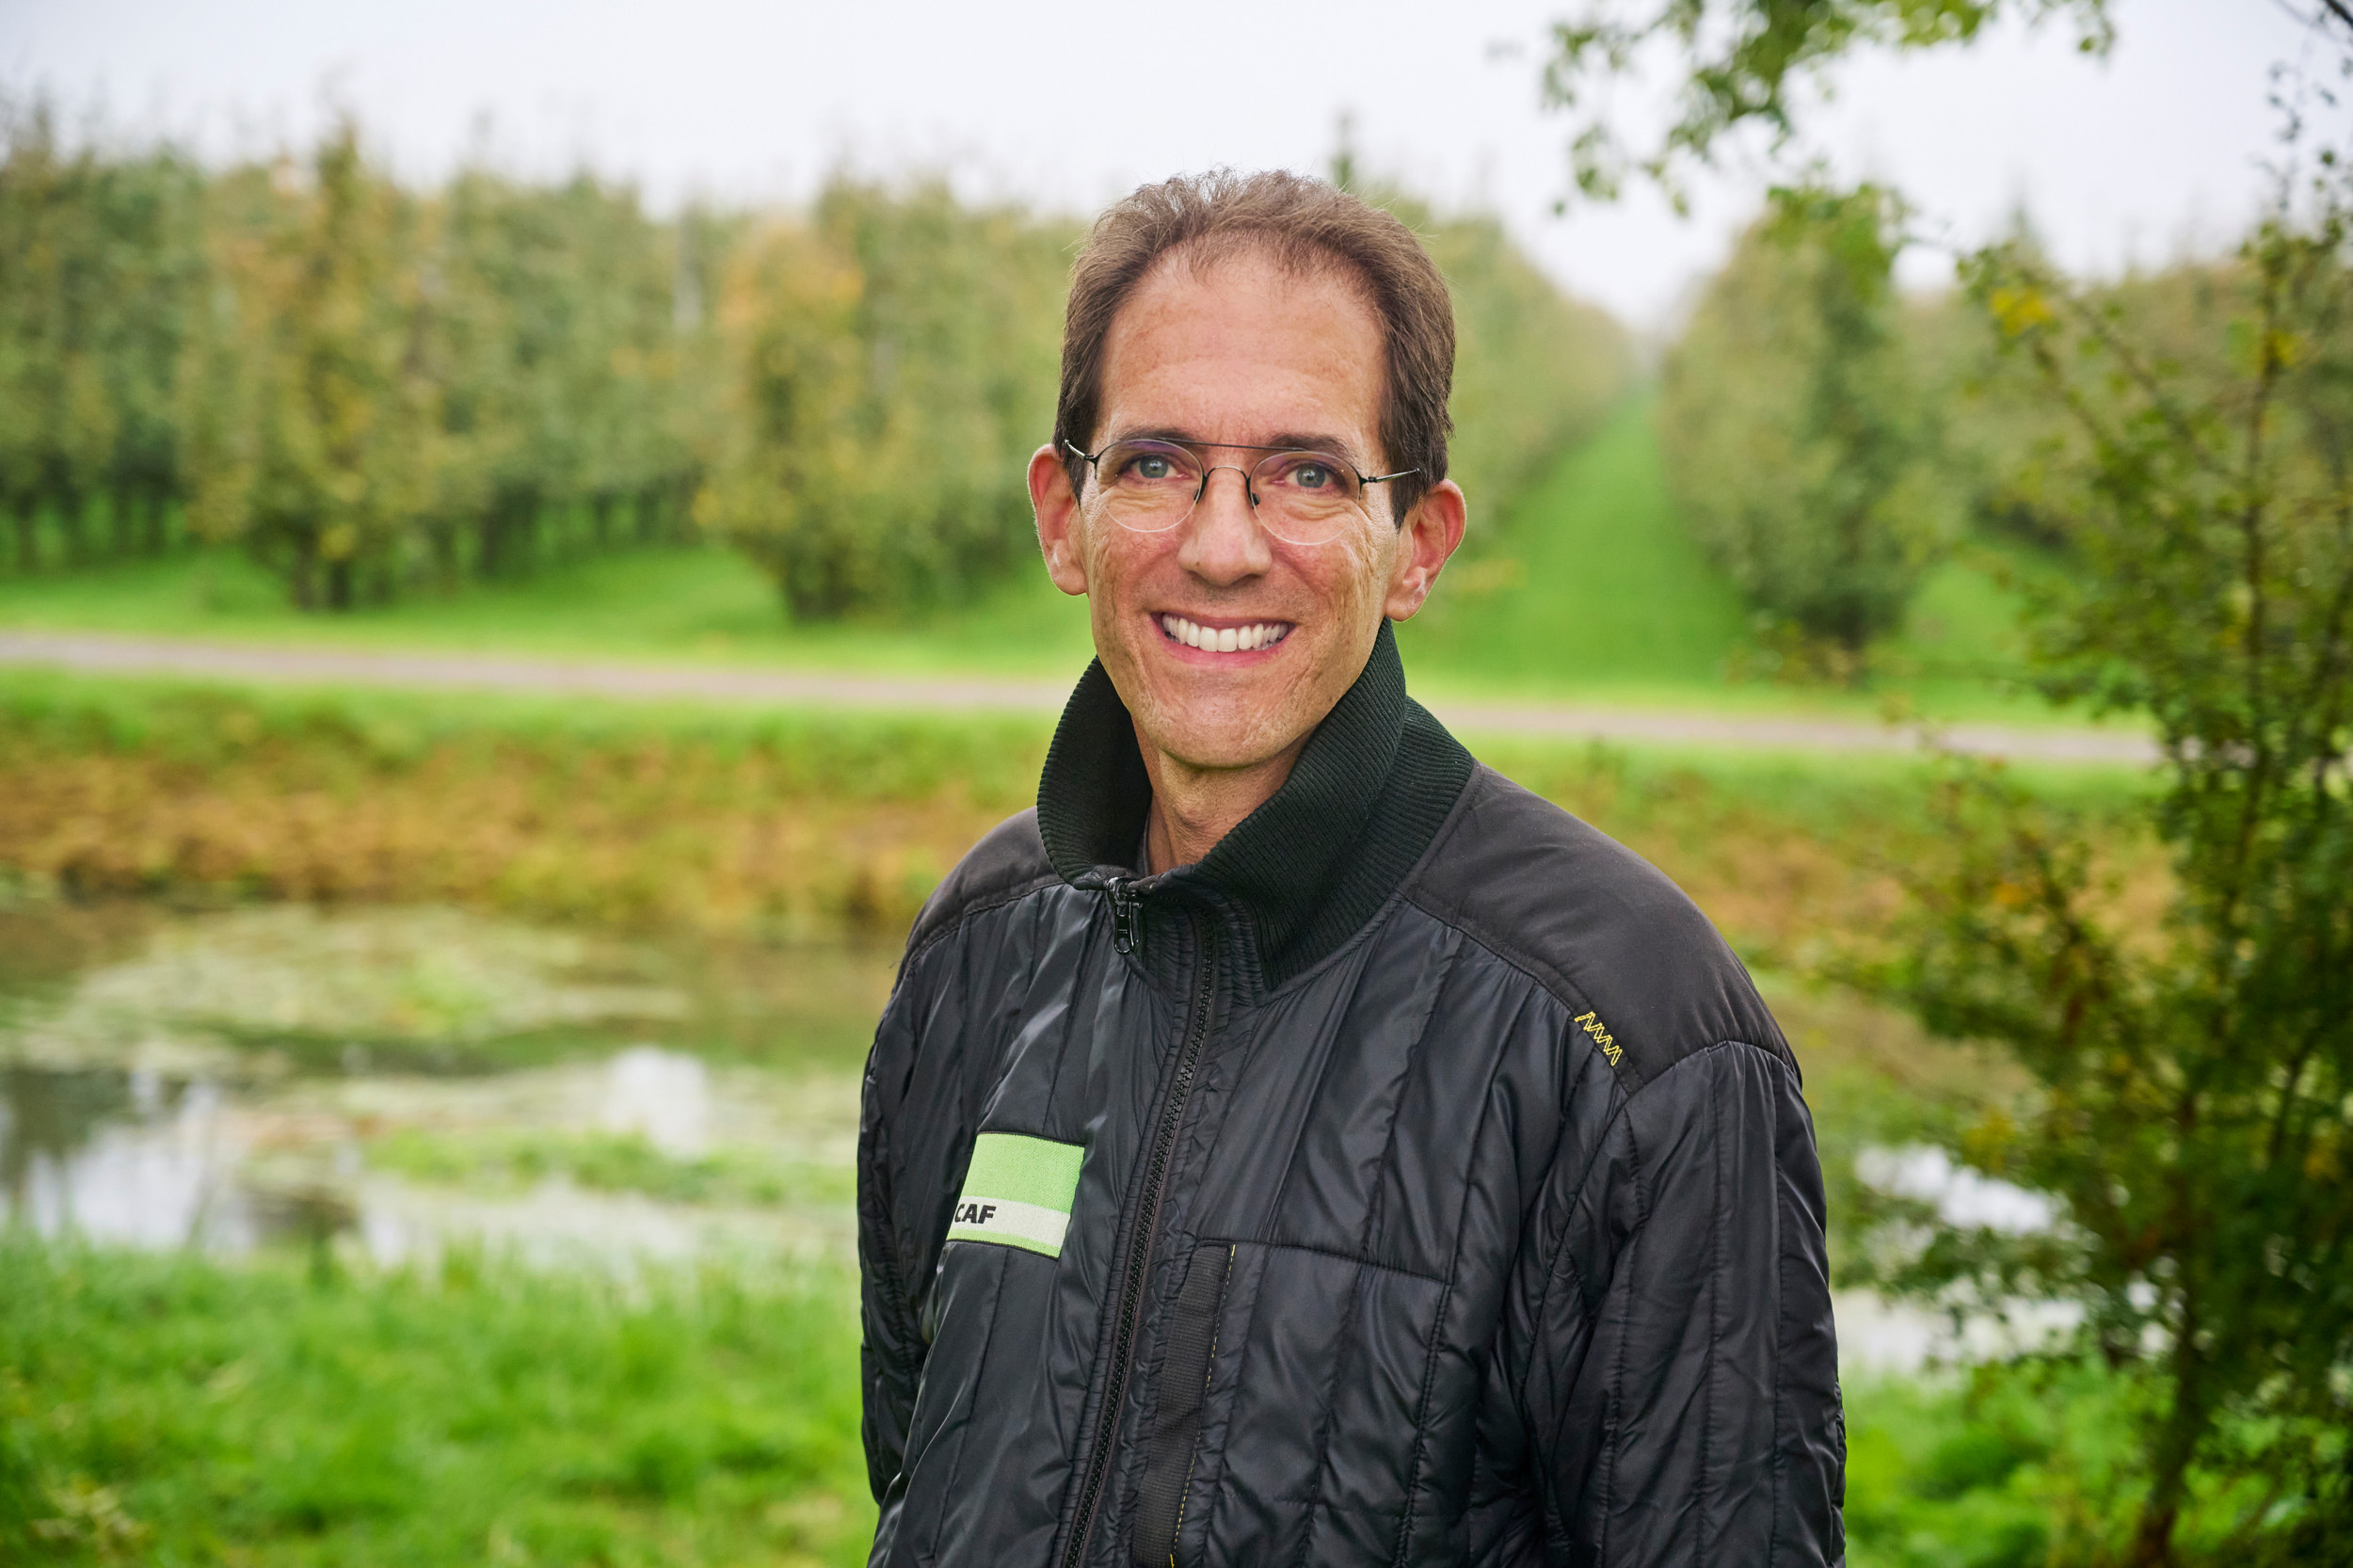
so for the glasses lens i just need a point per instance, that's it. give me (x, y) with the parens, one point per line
(1148, 486)
(1307, 497)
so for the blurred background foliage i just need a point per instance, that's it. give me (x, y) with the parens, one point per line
(1801, 443)
(381, 392)
(2179, 447)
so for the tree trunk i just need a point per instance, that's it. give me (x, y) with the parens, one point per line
(2175, 1446)
(444, 535)
(152, 505)
(27, 523)
(122, 523)
(303, 579)
(72, 521)
(506, 528)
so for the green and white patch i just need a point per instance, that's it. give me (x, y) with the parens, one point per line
(1017, 1193)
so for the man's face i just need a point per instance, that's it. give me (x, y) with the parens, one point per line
(1251, 354)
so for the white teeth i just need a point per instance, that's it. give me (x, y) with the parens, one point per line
(1230, 639)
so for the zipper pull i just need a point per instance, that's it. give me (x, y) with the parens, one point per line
(1126, 916)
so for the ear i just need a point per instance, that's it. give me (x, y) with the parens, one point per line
(1432, 531)
(1058, 522)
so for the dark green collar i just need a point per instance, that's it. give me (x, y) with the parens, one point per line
(1305, 870)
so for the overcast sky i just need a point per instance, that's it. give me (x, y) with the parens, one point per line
(2131, 159)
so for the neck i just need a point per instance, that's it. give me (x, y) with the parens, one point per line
(1194, 807)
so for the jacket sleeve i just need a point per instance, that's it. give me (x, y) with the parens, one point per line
(1681, 1392)
(892, 1347)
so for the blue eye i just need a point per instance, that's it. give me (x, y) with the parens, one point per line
(1146, 464)
(1311, 477)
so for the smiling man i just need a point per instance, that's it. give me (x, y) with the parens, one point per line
(1292, 1143)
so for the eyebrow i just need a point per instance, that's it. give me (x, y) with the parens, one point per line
(1284, 441)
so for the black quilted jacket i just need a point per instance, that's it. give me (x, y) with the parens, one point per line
(1417, 1179)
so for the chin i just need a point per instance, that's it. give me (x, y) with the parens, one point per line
(1223, 741)
(1220, 719)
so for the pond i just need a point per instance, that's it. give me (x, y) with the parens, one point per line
(385, 1082)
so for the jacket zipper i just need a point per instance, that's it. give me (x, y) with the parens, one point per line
(1138, 1261)
(1126, 915)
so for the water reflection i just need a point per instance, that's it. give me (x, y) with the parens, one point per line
(124, 1157)
(388, 1082)
(661, 1095)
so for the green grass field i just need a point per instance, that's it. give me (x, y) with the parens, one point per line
(702, 604)
(1590, 584)
(159, 1409)
(164, 1409)
(1589, 591)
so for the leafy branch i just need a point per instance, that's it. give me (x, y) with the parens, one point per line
(1741, 64)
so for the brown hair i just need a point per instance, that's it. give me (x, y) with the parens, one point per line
(1305, 225)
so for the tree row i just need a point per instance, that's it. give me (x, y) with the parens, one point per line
(381, 391)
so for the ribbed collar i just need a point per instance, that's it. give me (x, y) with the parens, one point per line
(1302, 872)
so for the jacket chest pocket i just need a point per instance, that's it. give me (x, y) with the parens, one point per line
(1292, 1404)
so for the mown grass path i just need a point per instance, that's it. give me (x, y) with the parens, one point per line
(157, 656)
(1584, 612)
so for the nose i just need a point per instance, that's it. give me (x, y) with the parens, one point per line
(1222, 541)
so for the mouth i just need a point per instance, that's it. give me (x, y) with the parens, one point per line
(1246, 638)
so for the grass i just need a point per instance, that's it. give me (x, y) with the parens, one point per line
(846, 755)
(1591, 583)
(164, 1409)
(1589, 590)
(738, 820)
(682, 604)
(168, 1409)
(721, 820)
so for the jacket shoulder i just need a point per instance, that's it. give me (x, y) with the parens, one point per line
(1010, 860)
(1604, 930)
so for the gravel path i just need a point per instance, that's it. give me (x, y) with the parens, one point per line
(503, 673)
